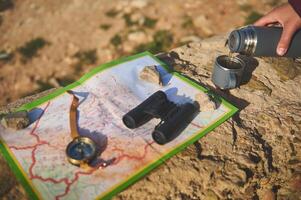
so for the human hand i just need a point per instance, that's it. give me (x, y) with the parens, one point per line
(287, 17)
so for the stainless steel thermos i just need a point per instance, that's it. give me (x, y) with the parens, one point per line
(262, 41)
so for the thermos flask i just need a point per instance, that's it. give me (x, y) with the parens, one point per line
(262, 41)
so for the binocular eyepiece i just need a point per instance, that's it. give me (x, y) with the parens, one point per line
(174, 118)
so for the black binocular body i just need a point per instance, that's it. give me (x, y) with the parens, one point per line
(174, 118)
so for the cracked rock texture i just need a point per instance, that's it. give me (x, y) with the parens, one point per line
(254, 155)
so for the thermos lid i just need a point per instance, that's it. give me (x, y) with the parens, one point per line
(236, 41)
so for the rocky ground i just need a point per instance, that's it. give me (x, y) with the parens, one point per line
(254, 155)
(45, 44)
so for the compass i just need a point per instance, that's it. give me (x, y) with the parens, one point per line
(81, 150)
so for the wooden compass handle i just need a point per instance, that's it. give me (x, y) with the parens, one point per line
(73, 116)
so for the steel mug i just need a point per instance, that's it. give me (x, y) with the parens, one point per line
(228, 72)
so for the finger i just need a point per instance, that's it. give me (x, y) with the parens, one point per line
(265, 20)
(275, 24)
(286, 37)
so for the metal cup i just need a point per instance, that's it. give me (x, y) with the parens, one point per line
(227, 72)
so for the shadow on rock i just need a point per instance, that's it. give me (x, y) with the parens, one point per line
(251, 64)
(172, 60)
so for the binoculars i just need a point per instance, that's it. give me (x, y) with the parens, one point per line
(174, 118)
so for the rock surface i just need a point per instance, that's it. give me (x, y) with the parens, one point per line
(16, 120)
(254, 155)
(205, 102)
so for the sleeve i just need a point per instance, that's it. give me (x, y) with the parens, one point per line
(296, 4)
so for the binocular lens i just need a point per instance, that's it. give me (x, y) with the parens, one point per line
(175, 123)
(159, 137)
(129, 121)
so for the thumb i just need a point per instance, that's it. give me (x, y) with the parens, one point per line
(285, 40)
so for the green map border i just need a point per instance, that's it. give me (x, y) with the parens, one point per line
(14, 165)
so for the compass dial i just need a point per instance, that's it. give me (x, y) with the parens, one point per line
(81, 150)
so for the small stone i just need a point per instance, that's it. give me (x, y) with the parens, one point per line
(53, 82)
(69, 60)
(150, 74)
(72, 49)
(203, 24)
(206, 104)
(138, 17)
(139, 3)
(4, 55)
(138, 37)
(17, 120)
(126, 10)
(128, 46)
(106, 54)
